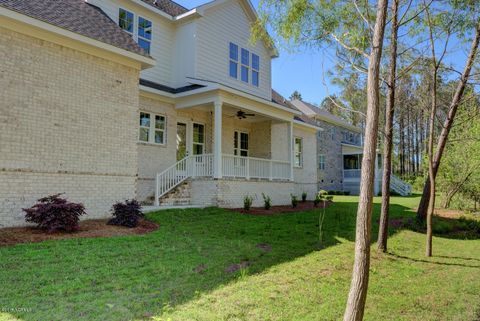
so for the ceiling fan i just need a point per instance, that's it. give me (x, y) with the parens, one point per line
(242, 115)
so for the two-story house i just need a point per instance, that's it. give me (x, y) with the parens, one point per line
(340, 150)
(107, 100)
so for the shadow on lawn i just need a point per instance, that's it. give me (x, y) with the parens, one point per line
(192, 252)
(401, 257)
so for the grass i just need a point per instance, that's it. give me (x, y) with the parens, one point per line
(157, 275)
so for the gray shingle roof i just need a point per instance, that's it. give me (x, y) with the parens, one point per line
(167, 6)
(76, 16)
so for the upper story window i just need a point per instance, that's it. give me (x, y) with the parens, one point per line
(152, 128)
(249, 64)
(321, 162)
(142, 33)
(298, 152)
(125, 20)
(255, 69)
(233, 60)
(245, 70)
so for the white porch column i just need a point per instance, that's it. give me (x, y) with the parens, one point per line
(291, 148)
(217, 139)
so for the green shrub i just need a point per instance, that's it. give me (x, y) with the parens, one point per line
(317, 200)
(304, 196)
(294, 200)
(346, 193)
(329, 198)
(267, 201)
(331, 192)
(247, 202)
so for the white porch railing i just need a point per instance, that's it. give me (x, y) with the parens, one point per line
(251, 167)
(352, 173)
(232, 166)
(396, 183)
(190, 166)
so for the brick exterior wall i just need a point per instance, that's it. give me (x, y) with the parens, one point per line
(329, 143)
(230, 193)
(68, 123)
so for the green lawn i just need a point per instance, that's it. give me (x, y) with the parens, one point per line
(157, 275)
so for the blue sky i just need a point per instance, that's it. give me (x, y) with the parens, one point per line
(293, 71)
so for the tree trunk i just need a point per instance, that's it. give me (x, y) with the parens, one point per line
(387, 144)
(358, 289)
(402, 145)
(452, 110)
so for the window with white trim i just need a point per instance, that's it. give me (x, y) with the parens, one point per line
(233, 66)
(125, 20)
(240, 143)
(255, 69)
(198, 139)
(144, 33)
(141, 31)
(298, 152)
(321, 162)
(245, 67)
(152, 128)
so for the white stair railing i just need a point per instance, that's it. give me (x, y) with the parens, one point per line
(399, 186)
(190, 166)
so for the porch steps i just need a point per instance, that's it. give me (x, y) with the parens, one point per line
(178, 196)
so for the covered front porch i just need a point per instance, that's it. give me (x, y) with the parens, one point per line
(234, 139)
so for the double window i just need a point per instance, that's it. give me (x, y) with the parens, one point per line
(240, 143)
(249, 64)
(142, 32)
(152, 128)
(298, 152)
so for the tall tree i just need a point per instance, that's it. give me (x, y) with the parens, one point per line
(428, 191)
(388, 132)
(296, 95)
(359, 285)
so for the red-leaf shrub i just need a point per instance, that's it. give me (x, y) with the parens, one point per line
(126, 214)
(53, 213)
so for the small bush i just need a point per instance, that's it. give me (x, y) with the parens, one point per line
(294, 200)
(247, 203)
(267, 201)
(346, 193)
(126, 214)
(53, 213)
(331, 192)
(317, 200)
(329, 198)
(304, 196)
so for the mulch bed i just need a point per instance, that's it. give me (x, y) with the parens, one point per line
(302, 206)
(88, 228)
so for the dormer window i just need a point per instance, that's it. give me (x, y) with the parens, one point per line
(141, 31)
(245, 65)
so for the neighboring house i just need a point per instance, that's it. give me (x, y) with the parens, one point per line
(340, 151)
(176, 108)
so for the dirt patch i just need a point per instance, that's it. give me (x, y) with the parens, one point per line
(88, 228)
(200, 268)
(264, 247)
(302, 206)
(235, 267)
